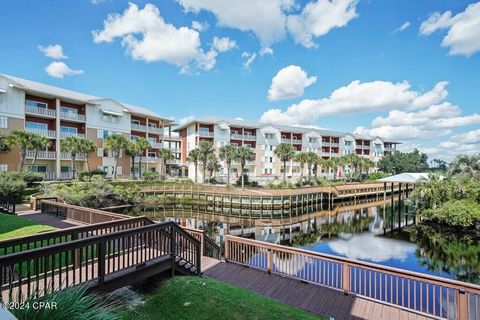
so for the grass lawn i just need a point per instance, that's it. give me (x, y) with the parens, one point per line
(12, 226)
(192, 297)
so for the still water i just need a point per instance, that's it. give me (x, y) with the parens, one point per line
(378, 232)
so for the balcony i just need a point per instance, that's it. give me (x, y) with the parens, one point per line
(326, 154)
(64, 135)
(174, 161)
(156, 145)
(49, 175)
(42, 155)
(138, 127)
(44, 133)
(296, 141)
(285, 140)
(48, 113)
(149, 159)
(154, 130)
(71, 116)
(205, 134)
(237, 136)
(176, 150)
(68, 156)
(172, 138)
(66, 175)
(389, 149)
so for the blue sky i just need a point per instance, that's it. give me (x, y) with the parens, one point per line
(338, 64)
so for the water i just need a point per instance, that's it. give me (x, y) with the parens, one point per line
(375, 232)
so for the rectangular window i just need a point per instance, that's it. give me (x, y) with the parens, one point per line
(3, 122)
(100, 152)
(39, 168)
(65, 169)
(3, 167)
(68, 110)
(110, 118)
(152, 125)
(105, 153)
(152, 140)
(137, 122)
(36, 126)
(68, 130)
(152, 154)
(36, 104)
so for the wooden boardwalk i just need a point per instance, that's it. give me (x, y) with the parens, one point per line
(318, 300)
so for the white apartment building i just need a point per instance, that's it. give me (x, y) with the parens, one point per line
(57, 113)
(263, 139)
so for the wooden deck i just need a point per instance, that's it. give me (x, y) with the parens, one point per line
(318, 300)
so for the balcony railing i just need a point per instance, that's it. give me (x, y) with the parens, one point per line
(66, 175)
(68, 156)
(41, 154)
(176, 150)
(40, 112)
(49, 175)
(174, 161)
(236, 136)
(72, 116)
(138, 127)
(149, 159)
(45, 133)
(156, 145)
(64, 135)
(248, 137)
(155, 130)
(206, 134)
(296, 141)
(285, 140)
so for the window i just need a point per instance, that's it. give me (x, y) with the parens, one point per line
(248, 145)
(137, 122)
(68, 130)
(3, 167)
(69, 111)
(36, 126)
(110, 118)
(133, 138)
(152, 140)
(269, 136)
(348, 143)
(39, 168)
(3, 122)
(152, 154)
(65, 169)
(313, 140)
(152, 125)
(36, 104)
(105, 153)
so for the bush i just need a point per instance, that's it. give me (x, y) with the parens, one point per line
(459, 213)
(97, 172)
(281, 185)
(374, 176)
(72, 303)
(11, 189)
(151, 175)
(246, 181)
(29, 177)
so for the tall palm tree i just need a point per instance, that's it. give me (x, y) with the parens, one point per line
(37, 144)
(465, 166)
(22, 139)
(319, 164)
(205, 149)
(285, 152)
(116, 143)
(87, 147)
(311, 160)
(194, 157)
(228, 154)
(302, 158)
(213, 165)
(244, 154)
(72, 145)
(165, 155)
(141, 145)
(353, 161)
(131, 151)
(328, 164)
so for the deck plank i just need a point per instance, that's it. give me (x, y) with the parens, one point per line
(308, 297)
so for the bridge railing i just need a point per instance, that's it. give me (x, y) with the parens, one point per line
(208, 247)
(77, 213)
(94, 260)
(425, 294)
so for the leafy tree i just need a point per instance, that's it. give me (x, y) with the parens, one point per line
(213, 165)
(439, 164)
(318, 165)
(4, 147)
(244, 154)
(87, 147)
(132, 152)
(38, 143)
(285, 152)
(141, 145)
(400, 162)
(466, 167)
(22, 139)
(302, 158)
(228, 154)
(165, 155)
(194, 157)
(72, 145)
(205, 149)
(115, 143)
(312, 158)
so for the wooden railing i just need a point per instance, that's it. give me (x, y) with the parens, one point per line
(96, 260)
(208, 247)
(7, 207)
(425, 294)
(77, 213)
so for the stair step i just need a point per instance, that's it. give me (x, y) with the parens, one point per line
(182, 263)
(188, 266)
(177, 259)
(193, 269)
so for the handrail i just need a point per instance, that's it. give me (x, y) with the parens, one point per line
(427, 294)
(208, 246)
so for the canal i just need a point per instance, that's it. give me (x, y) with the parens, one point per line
(382, 232)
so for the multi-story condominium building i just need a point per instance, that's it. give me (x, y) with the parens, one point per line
(264, 137)
(57, 113)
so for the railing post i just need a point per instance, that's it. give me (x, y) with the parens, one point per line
(172, 250)
(269, 260)
(202, 243)
(346, 278)
(101, 261)
(462, 304)
(226, 250)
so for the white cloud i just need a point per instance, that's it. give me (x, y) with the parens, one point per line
(403, 27)
(405, 132)
(289, 82)
(318, 18)
(223, 44)
(54, 51)
(266, 51)
(463, 35)
(146, 36)
(200, 26)
(358, 97)
(59, 69)
(187, 119)
(249, 58)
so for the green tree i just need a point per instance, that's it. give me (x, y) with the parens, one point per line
(38, 143)
(302, 158)
(318, 165)
(131, 151)
(311, 161)
(166, 155)
(285, 152)
(4, 147)
(72, 145)
(205, 148)
(23, 140)
(465, 167)
(87, 147)
(141, 145)
(213, 165)
(439, 164)
(244, 154)
(115, 143)
(228, 154)
(194, 157)
(400, 162)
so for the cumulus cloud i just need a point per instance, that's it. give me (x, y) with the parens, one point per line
(249, 58)
(289, 82)
(269, 20)
(267, 51)
(54, 51)
(223, 44)
(463, 35)
(59, 69)
(146, 36)
(318, 18)
(200, 26)
(403, 27)
(405, 132)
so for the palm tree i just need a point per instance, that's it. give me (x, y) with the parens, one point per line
(465, 166)
(23, 140)
(72, 145)
(87, 147)
(285, 152)
(116, 143)
(205, 149)
(302, 158)
(141, 145)
(319, 164)
(311, 160)
(37, 144)
(228, 154)
(166, 154)
(213, 165)
(244, 154)
(353, 161)
(328, 164)
(193, 157)
(131, 151)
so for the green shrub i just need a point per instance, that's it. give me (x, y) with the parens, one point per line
(374, 176)
(11, 189)
(246, 182)
(29, 177)
(151, 175)
(72, 303)
(460, 213)
(96, 172)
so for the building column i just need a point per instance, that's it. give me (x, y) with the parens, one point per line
(57, 139)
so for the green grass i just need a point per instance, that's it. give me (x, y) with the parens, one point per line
(12, 226)
(202, 298)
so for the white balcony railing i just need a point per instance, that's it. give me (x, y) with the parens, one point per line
(154, 130)
(138, 127)
(206, 134)
(40, 112)
(236, 136)
(149, 159)
(297, 141)
(68, 156)
(45, 133)
(156, 145)
(66, 175)
(72, 116)
(64, 135)
(249, 137)
(176, 150)
(285, 140)
(41, 155)
(174, 161)
(49, 175)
